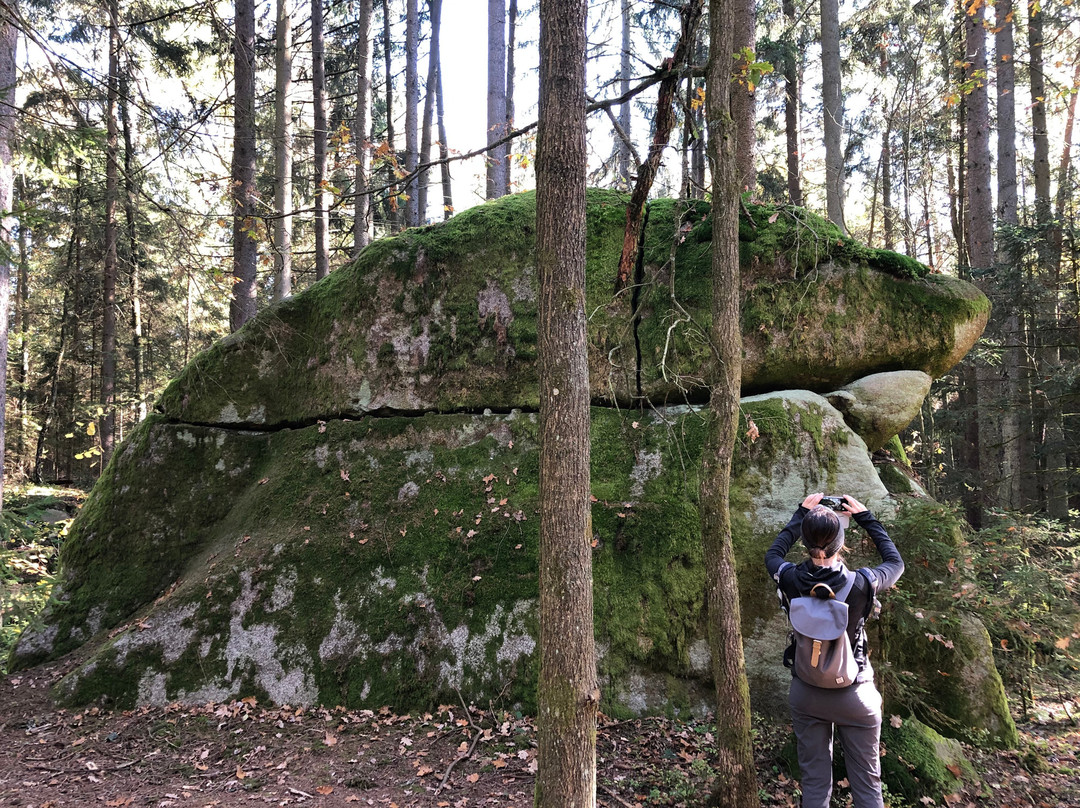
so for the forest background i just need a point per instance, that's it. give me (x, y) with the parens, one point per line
(167, 169)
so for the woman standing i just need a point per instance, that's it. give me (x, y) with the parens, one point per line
(855, 710)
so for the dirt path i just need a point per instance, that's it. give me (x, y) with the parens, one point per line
(242, 754)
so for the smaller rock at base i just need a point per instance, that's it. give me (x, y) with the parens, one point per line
(879, 406)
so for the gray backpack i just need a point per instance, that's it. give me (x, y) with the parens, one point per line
(823, 655)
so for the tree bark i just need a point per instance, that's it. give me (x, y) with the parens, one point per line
(979, 228)
(245, 246)
(1013, 361)
(743, 103)
(568, 694)
(8, 43)
(412, 111)
(107, 421)
(791, 105)
(1048, 355)
(320, 136)
(444, 153)
(134, 253)
(22, 307)
(361, 141)
(511, 47)
(496, 96)
(736, 776)
(435, 13)
(833, 110)
(393, 213)
(283, 133)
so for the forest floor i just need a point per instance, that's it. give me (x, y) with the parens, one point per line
(244, 754)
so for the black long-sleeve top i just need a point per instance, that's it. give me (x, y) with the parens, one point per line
(796, 580)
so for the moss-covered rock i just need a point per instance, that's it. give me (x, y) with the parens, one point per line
(443, 318)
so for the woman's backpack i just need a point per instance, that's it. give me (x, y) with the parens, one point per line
(820, 651)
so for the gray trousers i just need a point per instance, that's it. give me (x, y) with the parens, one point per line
(856, 713)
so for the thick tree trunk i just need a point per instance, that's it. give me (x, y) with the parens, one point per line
(283, 133)
(743, 103)
(8, 41)
(107, 421)
(320, 136)
(245, 246)
(623, 165)
(412, 111)
(791, 105)
(361, 141)
(496, 97)
(1048, 355)
(979, 227)
(1013, 360)
(833, 110)
(736, 784)
(134, 252)
(435, 9)
(568, 694)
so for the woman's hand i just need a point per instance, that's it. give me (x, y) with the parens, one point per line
(852, 505)
(812, 500)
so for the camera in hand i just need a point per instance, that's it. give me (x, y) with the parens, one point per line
(835, 503)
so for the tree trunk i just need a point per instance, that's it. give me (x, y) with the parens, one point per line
(791, 105)
(320, 135)
(412, 111)
(283, 133)
(979, 227)
(134, 253)
(496, 96)
(743, 104)
(22, 308)
(435, 7)
(623, 178)
(1013, 360)
(568, 693)
(887, 218)
(107, 421)
(8, 42)
(444, 153)
(1048, 355)
(736, 784)
(245, 246)
(393, 212)
(833, 110)
(511, 47)
(362, 144)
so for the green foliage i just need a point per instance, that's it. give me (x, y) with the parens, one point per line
(32, 528)
(1026, 573)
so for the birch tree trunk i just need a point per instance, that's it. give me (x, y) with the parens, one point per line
(791, 105)
(444, 152)
(568, 693)
(511, 46)
(245, 247)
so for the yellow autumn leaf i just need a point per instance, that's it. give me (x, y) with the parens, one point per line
(91, 429)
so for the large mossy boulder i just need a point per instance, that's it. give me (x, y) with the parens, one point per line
(337, 504)
(443, 318)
